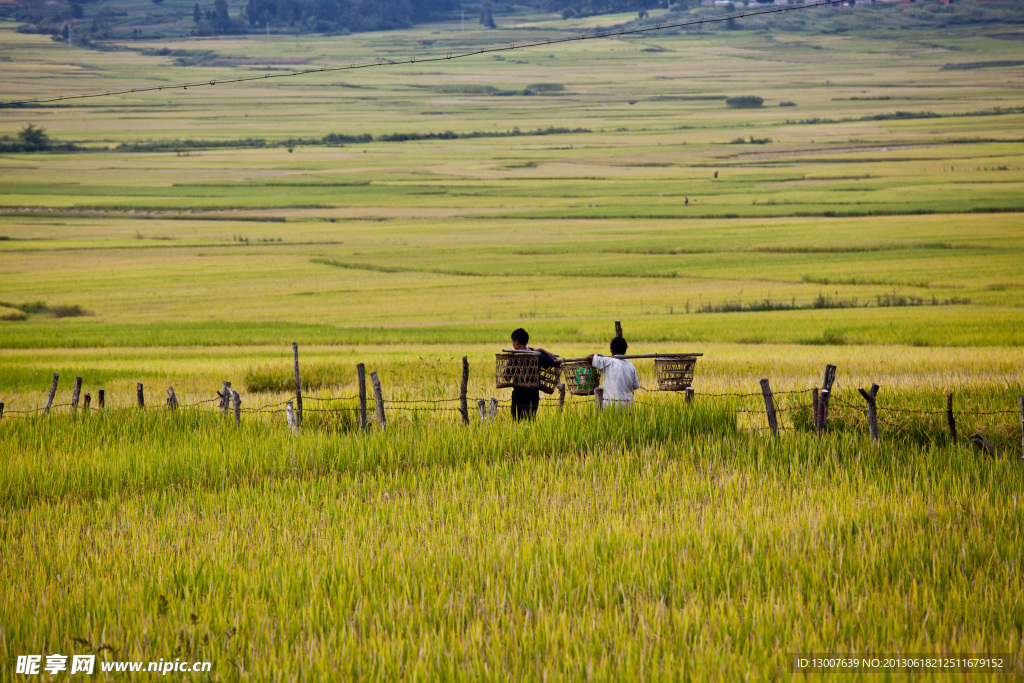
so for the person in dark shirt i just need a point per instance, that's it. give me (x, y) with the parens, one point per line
(525, 401)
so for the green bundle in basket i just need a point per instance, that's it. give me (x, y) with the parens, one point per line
(581, 378)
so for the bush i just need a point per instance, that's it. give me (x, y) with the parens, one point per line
(546, 87)
(280, 379)
(61, 311)
(22, 311)
(745, 102)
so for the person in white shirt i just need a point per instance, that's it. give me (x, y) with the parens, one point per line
(619, 379)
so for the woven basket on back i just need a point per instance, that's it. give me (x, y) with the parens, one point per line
(581, 378)
(675, 373)
(523, 370)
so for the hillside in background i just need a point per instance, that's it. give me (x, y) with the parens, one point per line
(97, 22)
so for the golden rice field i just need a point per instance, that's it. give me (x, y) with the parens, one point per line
(873, 222)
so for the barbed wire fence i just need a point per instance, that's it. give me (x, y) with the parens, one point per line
(803, 410)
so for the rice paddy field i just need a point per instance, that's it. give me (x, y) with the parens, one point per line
(405, 216)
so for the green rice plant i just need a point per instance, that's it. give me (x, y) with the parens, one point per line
(331, 416)
(718, 555)
(138, 450)
(917, 419)
(18, 379)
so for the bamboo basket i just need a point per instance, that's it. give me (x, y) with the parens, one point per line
(675, 373)
(523, 370)
(581, 378)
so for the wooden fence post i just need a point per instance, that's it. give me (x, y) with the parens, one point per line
(618, 328)
(361, 372)
(481, 405)
(85, 406)
(830, 377)
(688, 395)
(983, 443)
(53, 392)
(1, 410)
(826, 393)
(950, 420)
(139, 396)
(599, 395)
(463, 388)
(823, 398)
(75, 393)
(289, 412)
(769, 407)
(172, 400)
(816, 408)
(101, 399)
(236, 401)
(378, 395)
(869, 396)
(225, 397)
(1021, 426)
(493, 409)
(561, 397)
(298, 386)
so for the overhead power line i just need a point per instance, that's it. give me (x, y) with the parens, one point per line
(436, 57)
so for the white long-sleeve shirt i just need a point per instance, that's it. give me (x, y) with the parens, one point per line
(619, 379)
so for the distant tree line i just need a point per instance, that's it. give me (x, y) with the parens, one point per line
(33, 138)
(57, 18)
(83, 22)
(365, 15)
(347, 15)
(92, 20)
(586, 8)
(337, 139)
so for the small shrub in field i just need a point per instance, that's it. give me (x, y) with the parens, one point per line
(833, 338)
(546, 87)
(280, 379)
(745, 102)
(30, 307)
(22, 311)
(829, 337)
(60, 311)
(332, 416)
